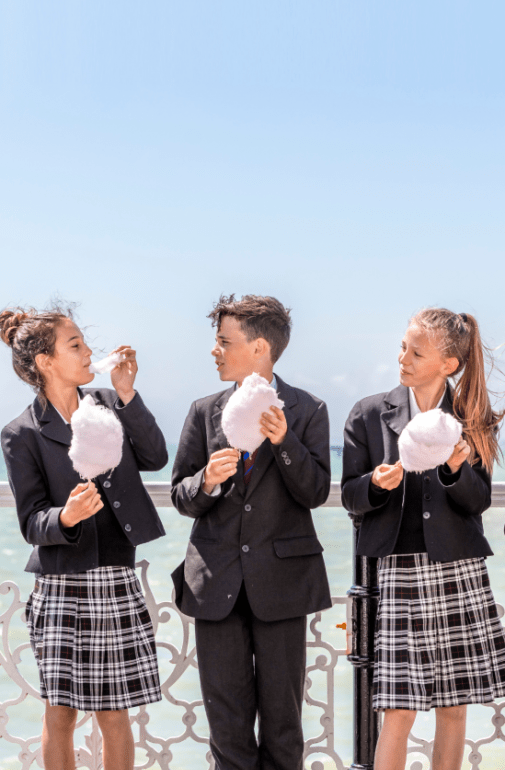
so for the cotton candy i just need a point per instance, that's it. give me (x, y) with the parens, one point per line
(97, 439)
(106, 364)
(242, 413)
(428, 440)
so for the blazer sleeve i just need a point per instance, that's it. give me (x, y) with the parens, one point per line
(471, 491)
(39, 520)
(305, 463)
(146, 438)
(357, 467)
(189, 466)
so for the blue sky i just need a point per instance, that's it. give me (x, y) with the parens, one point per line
(346, 157)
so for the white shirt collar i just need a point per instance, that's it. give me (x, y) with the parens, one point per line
(414, 408)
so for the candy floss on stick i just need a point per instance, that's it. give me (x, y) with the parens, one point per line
(97, 439)
(428, 440)
(242, 413)
(106, 364)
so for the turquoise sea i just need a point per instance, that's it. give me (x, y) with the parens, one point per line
(335, 532)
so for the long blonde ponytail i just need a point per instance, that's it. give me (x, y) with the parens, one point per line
(459, 337)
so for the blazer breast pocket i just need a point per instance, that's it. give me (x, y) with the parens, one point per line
(297, 546)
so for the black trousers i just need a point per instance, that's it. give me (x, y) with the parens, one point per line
(250, 668)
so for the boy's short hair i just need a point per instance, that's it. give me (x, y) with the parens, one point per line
(262, 317)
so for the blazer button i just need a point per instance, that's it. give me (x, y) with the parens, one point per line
(426, 515)
(128, 527)
(107, 484)
(284, 454)
(287, 461)
(247, 508)
(116, 504)
(427, 496)
(426, 479)
(245, 548)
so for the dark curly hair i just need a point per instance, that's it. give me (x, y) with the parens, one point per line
(29, 332)
(259, 317)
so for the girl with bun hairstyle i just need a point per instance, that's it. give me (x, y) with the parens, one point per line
(439, 642)
(89, 626)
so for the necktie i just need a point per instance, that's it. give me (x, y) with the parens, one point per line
(249, 465)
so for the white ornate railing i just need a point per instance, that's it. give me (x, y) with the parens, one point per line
(157, 751)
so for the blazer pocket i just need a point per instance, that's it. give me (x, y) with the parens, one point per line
(297, 546)
(203, 540)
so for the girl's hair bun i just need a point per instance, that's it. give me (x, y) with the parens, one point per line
(29, 332)
(10, 321)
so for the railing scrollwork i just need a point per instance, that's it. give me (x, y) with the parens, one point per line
(175, 642)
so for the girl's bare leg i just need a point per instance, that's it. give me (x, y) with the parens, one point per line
(391, 751)
(449, 745)
(118, 744)
(58, 737)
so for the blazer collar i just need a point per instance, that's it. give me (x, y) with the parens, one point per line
(286, 393)
(446, 405)
(218, 411)
(265, 454)
(51, 424)
(398, 415)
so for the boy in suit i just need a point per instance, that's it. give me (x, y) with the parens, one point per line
(253, 569)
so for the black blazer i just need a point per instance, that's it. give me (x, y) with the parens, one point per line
(453, 527)
(41, 476)
(262, 534)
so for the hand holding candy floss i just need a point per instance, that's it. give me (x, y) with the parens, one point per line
(97, 447)
(253, 412)
(106, 364)
(97, 436)
(430, 439)
(122, 365)
(246, 417)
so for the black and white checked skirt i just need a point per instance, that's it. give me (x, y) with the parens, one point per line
(438, 639)
(93, 640)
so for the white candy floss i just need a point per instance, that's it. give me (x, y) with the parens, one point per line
(242, 413)
(106, 364)
(428, 440)
(97, 439)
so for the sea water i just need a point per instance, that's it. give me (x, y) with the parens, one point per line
(335, 532)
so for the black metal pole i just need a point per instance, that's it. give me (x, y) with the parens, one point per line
(365, 595)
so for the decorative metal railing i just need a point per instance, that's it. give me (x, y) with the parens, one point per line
(159, 751)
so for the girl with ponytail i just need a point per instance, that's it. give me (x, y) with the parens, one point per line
(439, 642)
(89, 626)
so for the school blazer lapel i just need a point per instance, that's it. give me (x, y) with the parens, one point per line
(393, 420)
(217, 416)
(265, 455)
(51, 424)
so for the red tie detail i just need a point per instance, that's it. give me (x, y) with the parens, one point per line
(248, 466)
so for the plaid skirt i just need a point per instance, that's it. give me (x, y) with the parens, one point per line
(438, 639)
(93, 640)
